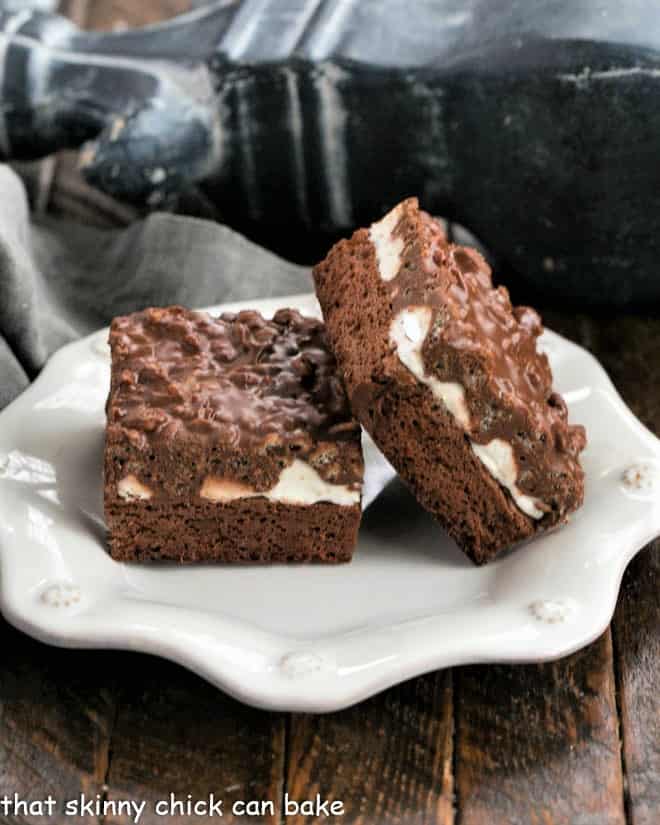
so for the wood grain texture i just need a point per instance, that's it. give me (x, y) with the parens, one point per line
(637, 646)
(539, 744)
(175, 733)
(56, 712)
(629, 348)
(534, 744)
(388, 759)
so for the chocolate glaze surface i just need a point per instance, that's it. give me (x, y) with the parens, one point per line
(507, 382)
(238, 383)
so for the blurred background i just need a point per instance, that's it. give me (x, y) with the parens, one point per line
(532, 124)
(56, 184)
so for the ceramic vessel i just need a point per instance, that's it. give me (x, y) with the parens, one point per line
(532, 123)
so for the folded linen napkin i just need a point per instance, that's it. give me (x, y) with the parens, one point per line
(60, 279)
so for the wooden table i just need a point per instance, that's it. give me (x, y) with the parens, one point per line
(574, 742)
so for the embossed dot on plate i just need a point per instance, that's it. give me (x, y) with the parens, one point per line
(551, 611)
(406, 586)
(641, 480)
(60, 594)
(301, 663)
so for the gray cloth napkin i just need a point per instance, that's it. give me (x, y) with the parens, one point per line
(60, 280)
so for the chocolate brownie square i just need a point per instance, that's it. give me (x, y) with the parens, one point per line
(445, 375)
(228, 439)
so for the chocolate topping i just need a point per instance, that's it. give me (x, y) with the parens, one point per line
(445, 376)
(508, 387)
(233, 382)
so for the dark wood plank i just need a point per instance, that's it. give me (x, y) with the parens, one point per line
(177, 734)
(174, 733)
(629, 348)
(497, 776)
(538, 744)
(637, 645)
(389, 759)
(56, 713)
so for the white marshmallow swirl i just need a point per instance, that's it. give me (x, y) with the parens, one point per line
(498, 458)
(408, 332)
(299, 483)
(131, 488)
(388, 249)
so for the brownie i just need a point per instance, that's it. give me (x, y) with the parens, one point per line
(446, 376)
(228, 439)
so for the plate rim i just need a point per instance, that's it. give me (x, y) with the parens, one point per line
(287, 687)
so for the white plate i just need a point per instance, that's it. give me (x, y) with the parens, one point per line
(313, 638)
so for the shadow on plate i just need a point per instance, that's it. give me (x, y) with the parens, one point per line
(396, 523)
